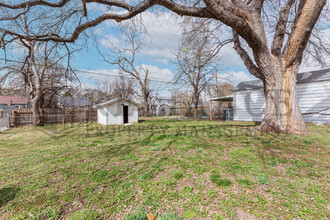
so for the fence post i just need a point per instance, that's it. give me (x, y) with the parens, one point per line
(12, 117)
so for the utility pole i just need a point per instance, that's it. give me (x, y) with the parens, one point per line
(210, 105)
(218, 92)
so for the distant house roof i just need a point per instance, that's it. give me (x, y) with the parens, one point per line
(223, 98)
(114, 101)
(12, 100)
(307, 77)
(165, 98)
(74, 101)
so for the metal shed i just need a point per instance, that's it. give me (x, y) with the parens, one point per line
(117, 111)
(313, 93)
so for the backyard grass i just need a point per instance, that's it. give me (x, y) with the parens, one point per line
(168, 168)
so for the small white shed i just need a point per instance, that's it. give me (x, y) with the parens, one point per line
(313, 93)
(117, 111)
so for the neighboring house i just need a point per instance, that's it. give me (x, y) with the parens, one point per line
(225, 107)
(163, 106)
(75, 102)
(7, 103)
(313, 93)
(117, 111)
(166, 100)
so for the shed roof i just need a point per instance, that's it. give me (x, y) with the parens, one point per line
(112, 101)
(9, 100)
(223, 98)
(307, 77)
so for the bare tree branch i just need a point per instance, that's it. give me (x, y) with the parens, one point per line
(246, 58)
(281, 28)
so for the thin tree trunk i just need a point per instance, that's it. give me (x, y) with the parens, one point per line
(36, 114)
(282, 114)
(145, 103)
(196, 104)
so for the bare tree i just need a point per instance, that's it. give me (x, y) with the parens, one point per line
(124, 57)
(42, 76)
(153, 98)
(184, 99)
(40, 65)
(112, 88)
(124, 87)
(276, 64)
(226, 89)
(13, 87)
(105, 90)
(197, 56)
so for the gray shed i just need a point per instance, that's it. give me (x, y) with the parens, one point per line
(313, 93)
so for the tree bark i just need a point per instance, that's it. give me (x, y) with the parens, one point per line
(196, 101)
(36, 113)
(196, 110)
(145, 102)
(282, 114)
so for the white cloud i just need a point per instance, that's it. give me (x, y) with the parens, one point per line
(109, 40)
(97, 7)
(164, 33)
(163, 30)
(229, 57)
(98, 31)
(17, 48)
(235, 77)
(97, 75)
(159, 74)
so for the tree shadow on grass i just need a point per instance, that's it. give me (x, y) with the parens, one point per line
(7, 194)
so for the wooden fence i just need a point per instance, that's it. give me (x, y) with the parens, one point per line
(24, 116)
(4, 124)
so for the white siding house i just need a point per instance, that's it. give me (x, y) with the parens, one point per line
(117, 111)
(313, 91)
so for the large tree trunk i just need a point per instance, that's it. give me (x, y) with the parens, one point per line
(282, 113)
(196, 110)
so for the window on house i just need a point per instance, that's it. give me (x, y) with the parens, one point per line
(17, 106)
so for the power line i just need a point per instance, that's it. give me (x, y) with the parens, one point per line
(105, 74)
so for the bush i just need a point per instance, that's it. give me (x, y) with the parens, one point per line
(189, 114)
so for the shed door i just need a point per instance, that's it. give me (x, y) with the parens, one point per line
(125, 114)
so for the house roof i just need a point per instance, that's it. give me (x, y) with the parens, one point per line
(307, 77)
(223, 98)
(11, 100)
(112, 101)
(74, 101)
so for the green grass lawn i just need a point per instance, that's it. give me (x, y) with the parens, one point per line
(170, 169)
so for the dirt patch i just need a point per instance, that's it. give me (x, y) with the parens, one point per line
(241, 215)
(71, 207)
